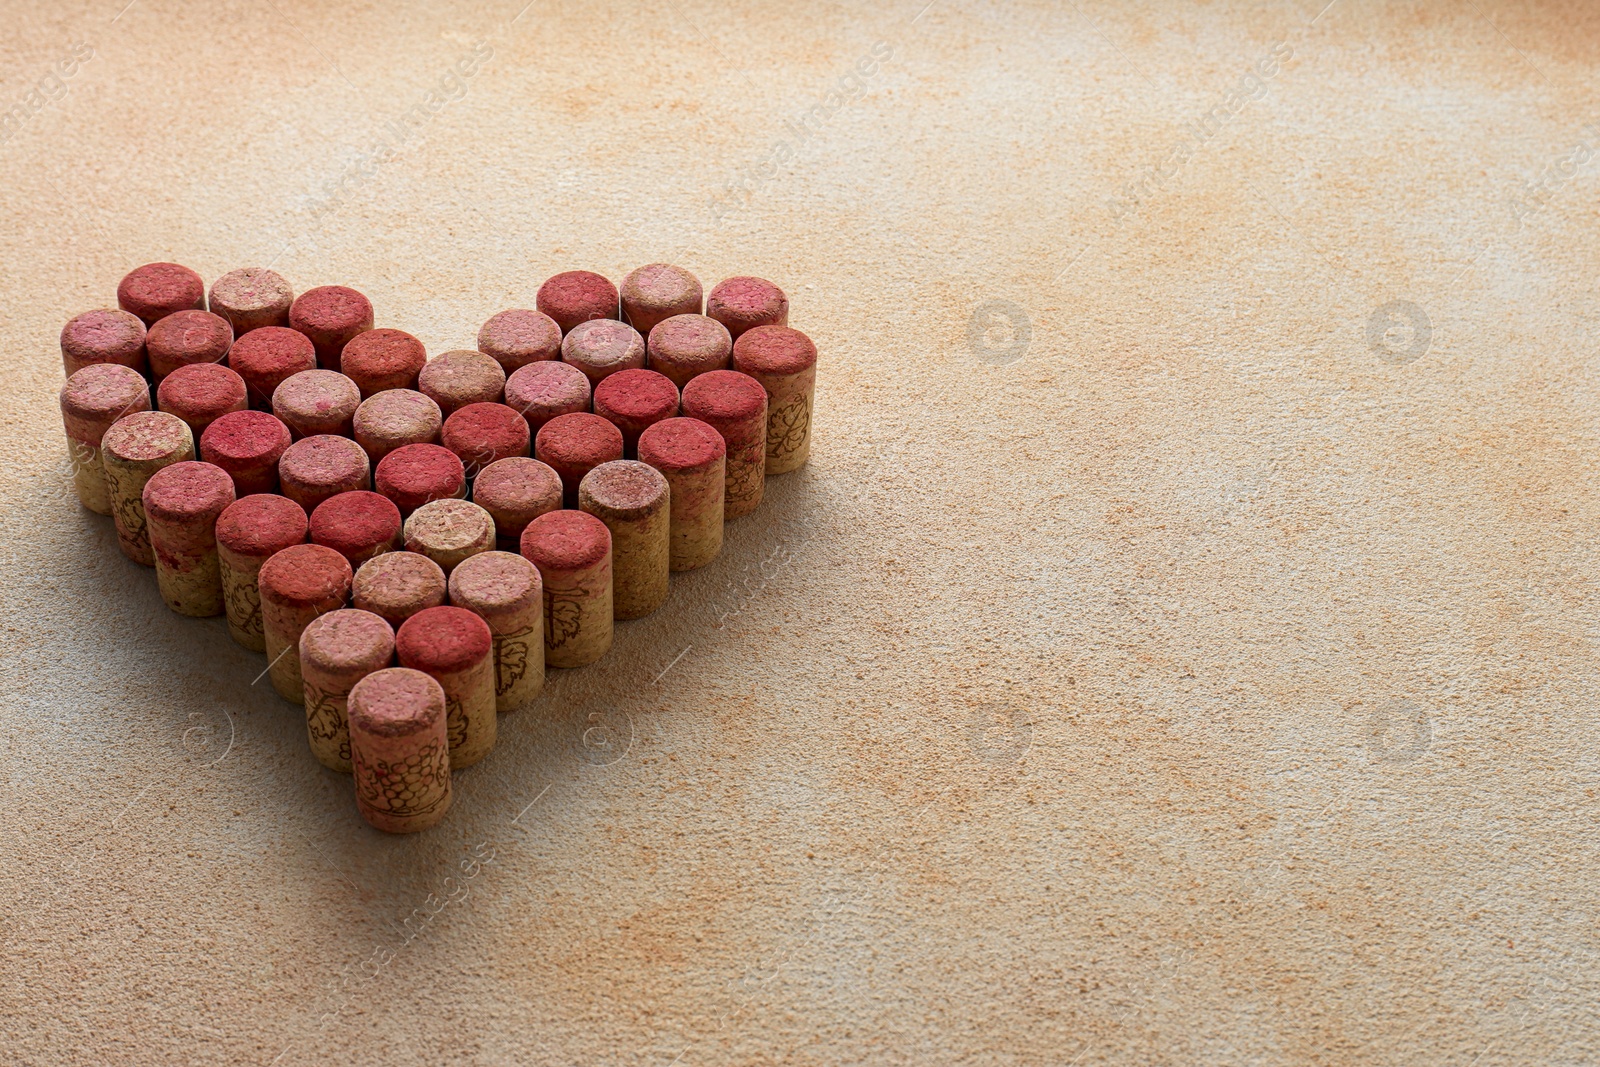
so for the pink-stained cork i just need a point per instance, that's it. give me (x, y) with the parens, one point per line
(519, 337)
(686, 345)
(187, 337)
(252, 298)
(455, 648)
(414, 475)
(297, 585)
(461, 377)
(656, 292)
(505, 591)
(480, 434)
(383, 359)
(515, 492)
(201, 393)
(248, 445)
(449, 531)
(92, 400)
(632, 401)
(399, 750)
(132, 450)
(337, 650)
(602, 347)
(631, 498)
(743, 303)
(251, 531)
(784, 361)
(576, 296)
(543, 391)
(330, 315)
(357, 525)
(267, 357)
(734, 405)
(572, 550)
(157, 290)
(395, 418)
(322, 466)
(397, 585)
(107, 335)
(574, 445)
(182, 503)
(317, 402)
(692, 457)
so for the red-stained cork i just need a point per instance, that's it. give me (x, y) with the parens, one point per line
(330, 315)
(414, 475)
(633, 400)
(248, 445)
(187, 337)
(322, 466)
(133, 449)
(576, 296)
(784, 361)
(686, 345)
(574, 445)
(399, 750)
(317, 401)
(743, 303)
(692, 457)
(449, 531)
(201, 393)
(397, 585)
(157, 290)
(515, 492)
(182, 503)
(91, 401)
(519, 337)
(251, 531)
(602, 347)
(267, 357)
(656, 292)
(107, 335)
(735, 406)
(357, 525)
(572, 550)
(631, 498)
(461, 377)
(337, 650)
(252, 298)
(480, 434)
(383, 359)
(453, 647)
(395, 418)
(542, 391)
(505, 591)
(297, 585)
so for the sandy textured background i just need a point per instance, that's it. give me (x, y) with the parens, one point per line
(1150, 667)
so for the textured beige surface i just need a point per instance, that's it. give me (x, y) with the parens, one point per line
(1200, 687)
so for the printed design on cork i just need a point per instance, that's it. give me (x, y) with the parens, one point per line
(788, 425)
(563, 618)
(510, 660)
(414, 786)
(456, 721)
(243, 601)
(747, 486)
(130, 520)
(326, 721)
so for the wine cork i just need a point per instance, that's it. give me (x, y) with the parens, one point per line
(734, 405)
(633, 500)
(519, 337)
(395, 418)
(297, 584)
(200, 394)
(574, 445)
(317, 402)
(455, 648)
(92, 400)
(330, 315)
(743, 303)
(414, 475)
(576, 296)
(182, 503)
(107, 335)
(252, 298)
(464, 376)
(184, 338)
(133, 449)
(656, 292)
(480, 434)
(157, 290)
(515, 492)
(357, 525)
(602, 347)
(633, 400)
(688, 345)
(784, 361)
(692, 457)
(337, 650)
(251, 531)
(383, 359)
(267, 357)
(397, 585)
(399, 750)
(572, 550)
(505, 591)
(448, 531)
(315, 468)
(543, 391)
(248, 445)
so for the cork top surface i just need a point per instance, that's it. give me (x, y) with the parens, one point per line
(188, 490)
(158, 289)
(323, 459)
(396, 702)
(330, 309)
(244, 437)
(547, 384)
(520, 336)
(566, 541)
(462, 376)
(147, 435)
(355, 521)
(421, 468)
(443, 640)
(603, 346)
(399, 584)
(724, 396)
(661, 285)
(201, 388)
(191, 337)
(383, 352)
(318, 394)
(104, 391)
(691, 341)
(578, 439)
(745, 301)
(272, 351)
(637, 394)
(623, 487)
(261, 524)
(518, 484)
(347, 639)
(103, 334)
(251, 289)
(398, 413)
(576, 296)
(478, 430)
(495, 582)
(449, 526)
(305, 576)
(773, 350)
(681, 444)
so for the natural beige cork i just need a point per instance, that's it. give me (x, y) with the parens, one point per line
(572, 550)
(692, 457)
(92, 401)
(399, 750)
(397, 585)
(633, 500)
(505, 591)
(448, 531)
(251, 298)
(784, 361)
(337, 650)
(251, 531)
(182, 503)
(131, 451)
(297, 585)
